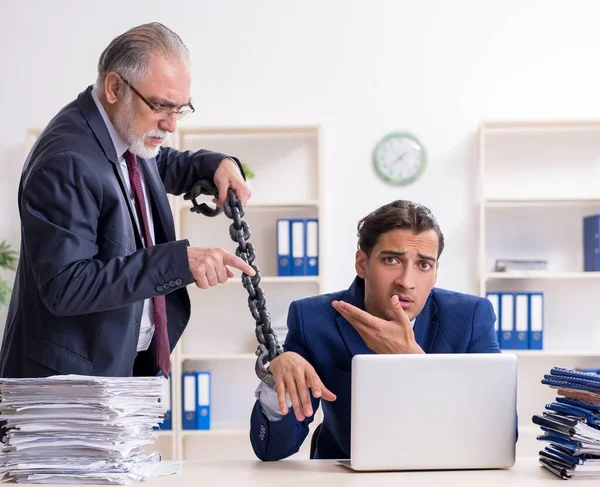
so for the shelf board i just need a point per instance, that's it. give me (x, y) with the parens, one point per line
(528, 127)
(554, 353)
(253, 131)
(217, 356)
(236, 280)
(216, 432)
(282, 204)
(542, 202)
(540, 275)
(162, 433)
(265, 205)
(280, 280)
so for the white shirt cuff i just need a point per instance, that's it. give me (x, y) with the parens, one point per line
(267, 396)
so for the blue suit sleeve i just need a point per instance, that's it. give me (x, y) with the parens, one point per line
(484, 338)
(179, 171)
(279, 439)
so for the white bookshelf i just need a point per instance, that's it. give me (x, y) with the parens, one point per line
(537, 180)
(220, 335)
(542, 276)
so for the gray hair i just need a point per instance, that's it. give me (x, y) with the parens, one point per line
(129, 54)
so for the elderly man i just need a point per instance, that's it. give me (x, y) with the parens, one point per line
(101, 282)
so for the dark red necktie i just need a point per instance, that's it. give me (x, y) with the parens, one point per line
(163, 351)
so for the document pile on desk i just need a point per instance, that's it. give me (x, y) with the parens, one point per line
(571, 425)
(81, 430)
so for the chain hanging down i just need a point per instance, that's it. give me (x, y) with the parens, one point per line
(239, 231)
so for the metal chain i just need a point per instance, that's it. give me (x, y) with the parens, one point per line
(239, 231)
(268, 345)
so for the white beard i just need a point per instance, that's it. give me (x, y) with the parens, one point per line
(140, 149)
(125, 124)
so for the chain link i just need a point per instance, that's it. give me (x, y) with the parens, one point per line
(239, 231)
(268, 345)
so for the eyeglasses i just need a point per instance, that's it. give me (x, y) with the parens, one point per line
(164, 111)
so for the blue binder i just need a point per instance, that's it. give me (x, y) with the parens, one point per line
(312, 246)
(284, 264)
(521, 332)
(203, 404)
(591, 247)
(536, 321)
(298, 239)
(188, 390)
(507, 322)
(494, 298)
(166, 398)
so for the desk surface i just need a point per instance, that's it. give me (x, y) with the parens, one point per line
(525, 472)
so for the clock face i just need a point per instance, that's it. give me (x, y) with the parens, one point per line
(399, 158)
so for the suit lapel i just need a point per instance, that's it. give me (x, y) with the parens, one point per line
(426, 326)
(355, 295)
(94, 119)
(154, 183)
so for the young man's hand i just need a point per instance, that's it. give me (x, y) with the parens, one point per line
(380, 335)
(294, 375)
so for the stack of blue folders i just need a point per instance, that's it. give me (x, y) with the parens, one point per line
(571, 425)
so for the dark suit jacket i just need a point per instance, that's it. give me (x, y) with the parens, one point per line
(450, 322)
(83, 276)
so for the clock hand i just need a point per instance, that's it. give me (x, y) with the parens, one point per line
(400, 157)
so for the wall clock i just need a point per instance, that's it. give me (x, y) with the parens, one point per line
(399, 158)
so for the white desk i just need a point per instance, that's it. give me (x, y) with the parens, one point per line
(317, 473)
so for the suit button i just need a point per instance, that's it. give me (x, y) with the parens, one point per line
(178, 282)
(172, 284)
(159, 288)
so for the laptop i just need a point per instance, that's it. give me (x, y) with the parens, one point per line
(433, 412)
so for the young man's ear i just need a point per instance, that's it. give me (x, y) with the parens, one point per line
(360, 263)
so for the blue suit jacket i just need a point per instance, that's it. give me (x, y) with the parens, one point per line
(450, 322)
(83, 277)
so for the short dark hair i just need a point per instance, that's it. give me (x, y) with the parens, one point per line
(398, 215)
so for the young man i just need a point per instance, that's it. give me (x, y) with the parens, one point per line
(391, 307)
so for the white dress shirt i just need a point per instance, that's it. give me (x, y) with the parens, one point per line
(267, 396)
(147, 325)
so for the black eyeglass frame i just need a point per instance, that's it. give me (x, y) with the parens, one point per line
(162, 109)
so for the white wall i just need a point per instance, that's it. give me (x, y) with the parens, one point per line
(360, 68)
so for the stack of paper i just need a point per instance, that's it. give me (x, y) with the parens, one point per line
(571, 425)
(81, 430)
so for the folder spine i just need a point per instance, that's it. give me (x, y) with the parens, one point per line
(507, 312)
(298, 240)
(522, 327)
(190, 399)
(203, 404)
(312, 246)
(536, 330)
(284, 262)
